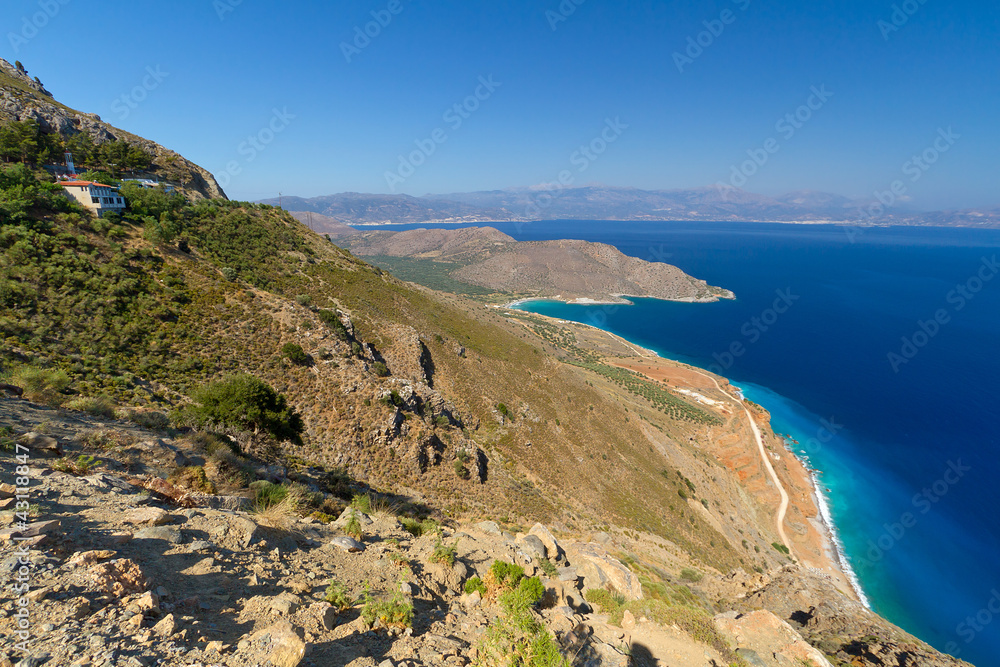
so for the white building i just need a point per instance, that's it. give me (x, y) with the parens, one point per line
(95, 196)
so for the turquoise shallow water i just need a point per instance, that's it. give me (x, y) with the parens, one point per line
(912, 469)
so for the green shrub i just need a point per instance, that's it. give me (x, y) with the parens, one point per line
(193, 477)
(353, 527)
(504, 575)
(780, 547)
(417, 528)
(332, 320)
(266, 494)
(688, 574)
(295, 354)
(7, 442)
(444, 554)
(100, 406)
(606, 601)
(362, 502)
(516, 639)
(337, 595)
(42, 385)
(82, 466)
(149, 419)
(248, 403)
(397, 612)
(475, 584)
(525, 596)
(380, 369)
(548, 567)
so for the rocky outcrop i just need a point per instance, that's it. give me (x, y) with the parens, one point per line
(761, 633)
(811, 604)
(599, 570)
(22, 98)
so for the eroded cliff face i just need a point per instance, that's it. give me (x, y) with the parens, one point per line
(24, 98)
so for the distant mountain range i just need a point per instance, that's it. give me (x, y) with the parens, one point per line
(714, 203)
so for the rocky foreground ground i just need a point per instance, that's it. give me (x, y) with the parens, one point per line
(126, 568)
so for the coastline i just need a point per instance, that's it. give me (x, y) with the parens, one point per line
(832, 546)
(623, 300)
(838, 553)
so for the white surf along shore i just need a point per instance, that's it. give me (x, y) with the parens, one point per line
(827, 525)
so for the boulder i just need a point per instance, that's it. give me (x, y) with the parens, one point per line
(347, 544)
(40, 443)
(84, 558)
(345, 516)
(489, 527)
(150, 516)
(549, 540)
(282, 645)
(598, 570)
(118, 577)
(245, 529)
(170, 534)
(762, 633)
(532, 546)
(166, 627)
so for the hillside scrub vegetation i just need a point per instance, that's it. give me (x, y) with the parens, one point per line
(25, 142)
(151, 307)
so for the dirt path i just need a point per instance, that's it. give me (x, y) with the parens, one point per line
(783, 505)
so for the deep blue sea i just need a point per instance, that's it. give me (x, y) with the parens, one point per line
(911, 471)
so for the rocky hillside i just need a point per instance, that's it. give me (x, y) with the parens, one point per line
(128, 568)
(567, 270)
(23, 98)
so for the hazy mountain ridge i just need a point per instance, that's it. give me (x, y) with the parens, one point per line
(712, 203)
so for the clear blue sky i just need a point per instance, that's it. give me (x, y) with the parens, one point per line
(892, 90)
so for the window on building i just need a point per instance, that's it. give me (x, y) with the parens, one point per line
(95, 200)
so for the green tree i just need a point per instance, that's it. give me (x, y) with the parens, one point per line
(102, 177)
(295, 353)
(19, 141)
(151, 201)
(82, 147)
(248, 403)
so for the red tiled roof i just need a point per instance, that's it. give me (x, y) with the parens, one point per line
(82, 183)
